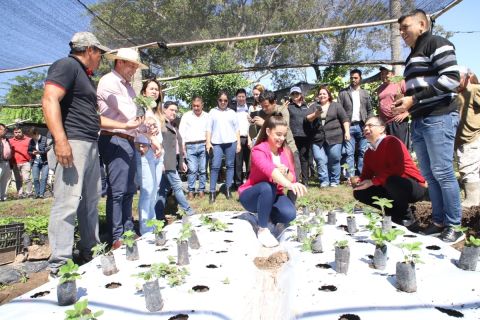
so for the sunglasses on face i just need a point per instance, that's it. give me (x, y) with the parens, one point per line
(222, 101)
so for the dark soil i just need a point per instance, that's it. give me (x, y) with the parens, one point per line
(39, 294)
(349, 317)
(212, 266)
(113, 285)
(274, 261)
(470, 218)
(433, 247)
(323, 266)
(179, 316)
(200, 288)
(450, 312)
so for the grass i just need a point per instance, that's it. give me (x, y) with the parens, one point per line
(18, 210)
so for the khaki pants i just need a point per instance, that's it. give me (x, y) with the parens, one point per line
(468, 157)
(21, 172)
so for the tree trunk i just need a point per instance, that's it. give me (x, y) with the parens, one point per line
(396, 49)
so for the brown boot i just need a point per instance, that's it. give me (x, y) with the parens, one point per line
(190, 195)
(201, 194)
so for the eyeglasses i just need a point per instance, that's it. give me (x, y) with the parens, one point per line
(371, 125)
(222, 101)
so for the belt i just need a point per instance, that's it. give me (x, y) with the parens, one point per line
(356, 122)
(244, 137)
(117, 134)
(195, 142)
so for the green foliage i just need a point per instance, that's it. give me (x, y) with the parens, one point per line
(68, 272)
(382, 203)
(34, 225)
(349, 208)
(472, 241)
(226, 281)
(348, 169)
(307, 244)
(303, 202)
(185, 232)
(208, 87)
(175, 276)
(381, 238)
(99, 249)
(129, 238)
(341, 243)
(156, 224)
(411, 256)
(373, 219)
(145, 102)
(27, 89)
(81, 312)
(213, 224)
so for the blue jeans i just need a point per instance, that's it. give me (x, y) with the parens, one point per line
(433, 139)
(263, 199)
(171, 179)
(118, 155)
(356, 137)
(149, 174)
(328, 158)
(197, 166)
(39, 175)
(229, 150)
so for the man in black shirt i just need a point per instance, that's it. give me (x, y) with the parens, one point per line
(69, 106)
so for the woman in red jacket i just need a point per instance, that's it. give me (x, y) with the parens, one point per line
(272, 171)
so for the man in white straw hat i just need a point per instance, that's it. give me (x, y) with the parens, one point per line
(115, 100)
(70, 109)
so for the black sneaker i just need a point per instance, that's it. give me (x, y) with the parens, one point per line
(415, 227)
(432, 230)
(450, 235)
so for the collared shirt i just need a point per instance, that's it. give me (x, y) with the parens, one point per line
(223, 126)
(243, 123)
(356, 105)
(192, 127)
(374, 146)
(115, 100)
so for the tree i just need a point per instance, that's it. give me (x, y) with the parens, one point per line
(27, 89)
(208, 87)
(146, 21)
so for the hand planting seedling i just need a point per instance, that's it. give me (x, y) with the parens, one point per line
(81, 312)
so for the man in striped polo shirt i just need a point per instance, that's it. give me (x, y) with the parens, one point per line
(432, 77)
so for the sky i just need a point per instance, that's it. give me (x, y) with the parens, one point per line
(461, 18)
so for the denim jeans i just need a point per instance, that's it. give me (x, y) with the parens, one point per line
(433, 139)
(356, 137)
(118, 155)
(328, 158)
(149, 174)
(263, 199)
(171, 179)
(227, 149)
(197, 166)
(39, 175)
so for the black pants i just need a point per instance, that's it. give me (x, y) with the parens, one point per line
(240, 158)
(399, 130)
(401, 190)
(304, 145)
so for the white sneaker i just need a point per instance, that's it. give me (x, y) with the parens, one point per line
(266, 238)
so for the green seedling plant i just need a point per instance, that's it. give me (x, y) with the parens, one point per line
(81, 312)
(349, 208)
(213, 224)
(175, 276)
(411, 255)
(303, 202)
(68, 272)
(470, 239)
(382, 203)
(146, 102)
(372, 217)
(185, 232)
(129, 238)
(341, 243)
(157, 225)
(99, 249)
(307, 244)
(347, 168)
(382, 238)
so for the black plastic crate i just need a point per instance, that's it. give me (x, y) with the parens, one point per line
(10, 241)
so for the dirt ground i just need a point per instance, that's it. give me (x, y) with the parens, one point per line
(12, 291)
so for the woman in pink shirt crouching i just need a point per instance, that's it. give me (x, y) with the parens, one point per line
(272, 171)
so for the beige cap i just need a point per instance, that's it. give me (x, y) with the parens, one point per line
(85, 40)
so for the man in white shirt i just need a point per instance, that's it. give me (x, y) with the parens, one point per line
(357, 104)
(193, 129)
(242, 157)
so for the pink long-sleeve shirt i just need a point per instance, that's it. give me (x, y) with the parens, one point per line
(262, 166)
(115, 100)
